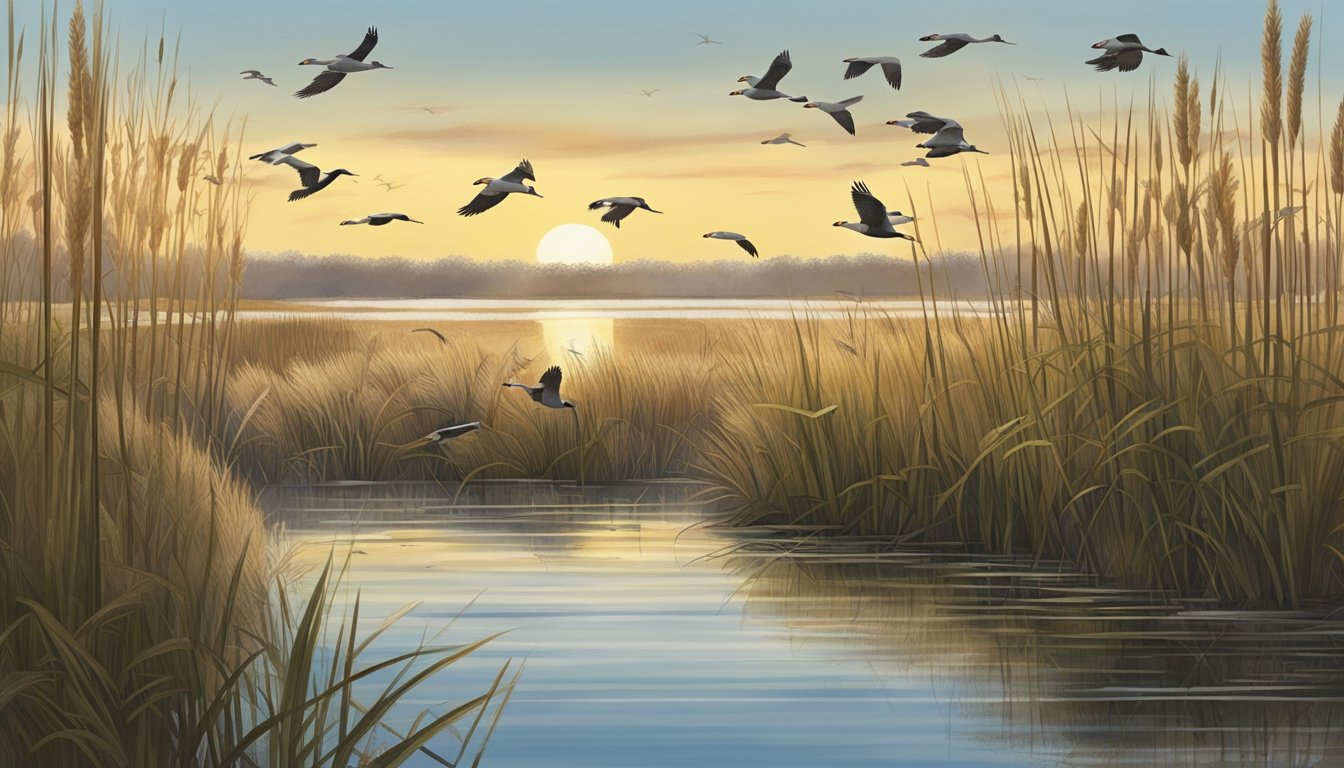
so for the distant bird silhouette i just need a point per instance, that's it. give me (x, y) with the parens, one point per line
(619, 208)
(1124, 53)
(766, 88)
(874, 221)
(340, 66)
(571, 350)
(1032, 79)
(955, 42)
(919, 161)
(213, 179)
(649, 93)
(735, 237)
(278, 155)
(891, 68)
(838, 110)
(311, 177)
(547, 393)
(497, 189)
(253, 74)
(783, 138)
(704, 40)
(379, 219)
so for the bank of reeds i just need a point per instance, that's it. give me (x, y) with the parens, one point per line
(140, 620)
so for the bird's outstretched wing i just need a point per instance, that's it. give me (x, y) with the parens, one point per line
(857, 68)
(523, 171)
(321, 84)
(923, 122)
(1125, 61)
(748, 247)
(951, 133)
(439, 336)
(871, 210)
(481, 203)
(778, 69)
(366, 45)
(845, 120)
(892, 71)
(617, 213)
(937, 152)
(308, 173)
(1129, 38)
(947, 47)
(252, 72)
(550, 380)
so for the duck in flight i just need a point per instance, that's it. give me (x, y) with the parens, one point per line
(340, 66)
(311, 177)
(766, 88)
(277, 156)
(874, 220)
(379, 219)
(704, 40)
(838, 110)
(547, 393)
(891, 68)
(619, 207)
(949, 140)
(497, 189)
(783, 138)
(253, 74)
(1124, 53)
(739, 239)
(954, 42)
(922, 122)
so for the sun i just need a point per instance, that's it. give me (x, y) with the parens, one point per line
(574, 244)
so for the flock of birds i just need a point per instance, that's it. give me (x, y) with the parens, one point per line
(945, 138)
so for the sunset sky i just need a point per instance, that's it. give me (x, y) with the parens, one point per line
(559, 83)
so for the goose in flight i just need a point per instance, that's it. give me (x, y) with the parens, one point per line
(949, 140)
(546, 393)
(955, 42)
(497, 189)
(874, 221)
(891, 68)
(923, 122)
(311, 177)
(838, 110)
(919, 161)
(783, 138)
(739, 239)
(766, 88)
(1124, 53)
(253, 74)
(279, 154)
(379, 219)
(704, 40)
(619, 208)
(340, 66)
(213, 179)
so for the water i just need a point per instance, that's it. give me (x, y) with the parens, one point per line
(651, 640)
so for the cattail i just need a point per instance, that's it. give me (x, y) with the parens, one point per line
(1157, 152)
(185, 162)
(1337, 153)
(1297, 78)
(1271, 63)
(1025, 184)
(222, 162)
(1223, 198)
(1080, 238)
(1193, 117)
(1181, 118)
(81, 98)
(1183, 206)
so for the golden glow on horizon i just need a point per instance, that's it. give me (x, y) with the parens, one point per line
(574, 244)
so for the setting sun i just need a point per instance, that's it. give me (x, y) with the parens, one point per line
(574, 244)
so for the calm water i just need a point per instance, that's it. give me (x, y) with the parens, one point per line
(652, 641)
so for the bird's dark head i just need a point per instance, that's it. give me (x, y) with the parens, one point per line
(483, 180)
(533, 191)
(998, 39)
(348, 222)
(735, 93)
(1161, 52)
(930, 38)
(708, 234)
(379, 65)
(307, 61)
(973, 148)
(904, 236)
(343, 172)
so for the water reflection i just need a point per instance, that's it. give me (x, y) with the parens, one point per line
(577, 337)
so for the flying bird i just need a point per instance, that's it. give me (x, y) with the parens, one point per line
(379, 219)
(919, 161)
(546, 393)
(739, 239)
(949, 140)
(311, 177)
(619, 208)
(838, 110)
(1032, 79)
(340, 66)
(253, 74)
(279, 154)
(1124, 53)
(891, 68)
(783, 138)
(704, 40)
(497, 189)
(571, 350)
(447, 433)
(213, 179)
(649, 92)
(923, 122)
(766, 88)
(874, 221)
(955, 42)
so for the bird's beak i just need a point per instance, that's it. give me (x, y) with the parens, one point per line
(707, 234)
(346, 223)
(928, 38)
(305, 61)
(653, 211)
(810, 105)
(1100, 45)
(891, 122)
(735, 93)
(767, 141)
(1005, 42)
(416, 221)
(742, 79)
(353, 174)
(838, 224)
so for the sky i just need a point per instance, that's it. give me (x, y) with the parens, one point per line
(559, 84)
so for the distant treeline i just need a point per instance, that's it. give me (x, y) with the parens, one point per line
(296, 276)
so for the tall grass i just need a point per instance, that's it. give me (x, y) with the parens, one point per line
(141, 622)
